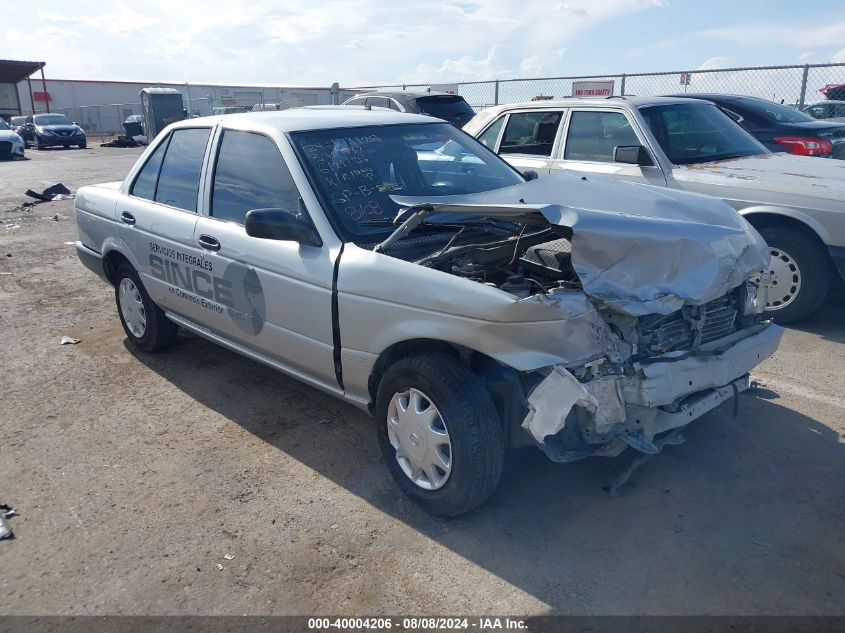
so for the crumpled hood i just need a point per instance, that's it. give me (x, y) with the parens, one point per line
(638, 248)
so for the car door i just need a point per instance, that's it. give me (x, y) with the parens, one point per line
(590, 138)
(157, 219)
(526, 139)
(272, 296)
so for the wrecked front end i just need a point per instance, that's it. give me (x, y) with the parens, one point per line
(664, 307)
(681, 366)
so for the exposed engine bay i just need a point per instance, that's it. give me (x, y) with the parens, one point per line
(523, 266)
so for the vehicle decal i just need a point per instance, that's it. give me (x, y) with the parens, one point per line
(238, 291)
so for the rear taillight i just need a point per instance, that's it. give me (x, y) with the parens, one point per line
(805, 146)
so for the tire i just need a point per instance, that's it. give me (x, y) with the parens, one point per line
(158, 332)
(38, 144)
(472, 426)
(83, 145)
(798, 261)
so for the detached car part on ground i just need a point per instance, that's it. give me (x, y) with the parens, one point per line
(52, 130)
(797, 203)
(396, 263)
(11, 144)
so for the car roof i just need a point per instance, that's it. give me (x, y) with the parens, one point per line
(403, 94)
(718, 96)
(309, 118)
(568, 102)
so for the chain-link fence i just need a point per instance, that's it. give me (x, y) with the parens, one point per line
(792, 85)
(107, 119)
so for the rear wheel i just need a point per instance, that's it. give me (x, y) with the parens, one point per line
(799, 272)
(83, 145)
(143, 321)
(440, 433)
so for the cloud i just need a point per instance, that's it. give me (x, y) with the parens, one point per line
(839, 57)
(806, 56)
(714, 62)
(536, 65)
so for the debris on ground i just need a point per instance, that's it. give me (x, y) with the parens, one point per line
(54, 192)
(229, 556)
(219, 567)
(6, 512)
(68, 340)
(121, 141)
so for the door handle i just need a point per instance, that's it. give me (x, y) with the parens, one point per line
(127, 218)
(209, 243)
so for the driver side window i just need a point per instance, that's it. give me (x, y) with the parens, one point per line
(250, 174)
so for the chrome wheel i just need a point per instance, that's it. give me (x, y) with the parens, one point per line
(132, 308)
(784, 279)
(418, 434)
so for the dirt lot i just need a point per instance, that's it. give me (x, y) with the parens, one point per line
(135, 474)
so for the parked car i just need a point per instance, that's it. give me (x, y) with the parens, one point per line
(781, 128)
(834, 91)
(449, 107)
(11, 144)
(17, 121)
(467, 309)
(52, 130)
(827, 111)
(797, 203)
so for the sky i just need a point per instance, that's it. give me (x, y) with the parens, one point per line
(368, 42)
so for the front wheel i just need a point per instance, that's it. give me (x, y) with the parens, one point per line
(143, 321)
(799, 274)
(83, 145)
(38, 144)
(440, 434)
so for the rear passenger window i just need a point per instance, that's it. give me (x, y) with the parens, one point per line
(145, 184)
(530, 133)
(250, 174)
(491, 134)
(179, 180)
(594, 135)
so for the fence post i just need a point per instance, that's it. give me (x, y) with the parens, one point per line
(496, 93)
(622, 87)
(803, 86)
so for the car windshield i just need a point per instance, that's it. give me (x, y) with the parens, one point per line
(698, 133)
(18, 120)
(775, 111)
(4, 125)
(52, 119)
(447, 107)
(356, 170)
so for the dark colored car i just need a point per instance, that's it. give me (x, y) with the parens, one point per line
(449, 107)
(52, 130)
(827, 110)
(779, 127)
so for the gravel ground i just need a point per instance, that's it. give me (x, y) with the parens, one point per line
(135, 475)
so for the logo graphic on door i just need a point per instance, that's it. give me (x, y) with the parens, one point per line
(248, 310)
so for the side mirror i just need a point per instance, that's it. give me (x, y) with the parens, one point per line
(530, 174)
(632, 155)
(281, 224)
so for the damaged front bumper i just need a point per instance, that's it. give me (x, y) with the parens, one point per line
(570, 420)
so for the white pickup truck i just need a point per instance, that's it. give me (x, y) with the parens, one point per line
(467, 309)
